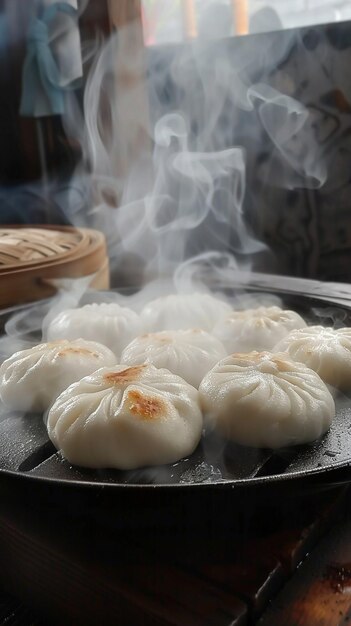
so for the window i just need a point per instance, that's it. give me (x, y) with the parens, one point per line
(169, 21)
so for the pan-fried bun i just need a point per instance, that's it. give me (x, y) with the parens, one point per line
(110, 324)
(183, 311)
(264, 400)
(30, 380)
(325, 350)
(125, 418)
(256, 329)
(188, 353)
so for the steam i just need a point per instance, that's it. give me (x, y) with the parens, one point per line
(284, 120)
(27, 327)
(163, 171)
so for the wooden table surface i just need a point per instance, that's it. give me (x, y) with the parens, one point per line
(296, 573)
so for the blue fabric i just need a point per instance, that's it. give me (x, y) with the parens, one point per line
(41, 76)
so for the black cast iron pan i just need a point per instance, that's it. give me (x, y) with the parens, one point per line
(217, 472)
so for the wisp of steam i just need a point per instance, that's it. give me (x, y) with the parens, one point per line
(163, 167)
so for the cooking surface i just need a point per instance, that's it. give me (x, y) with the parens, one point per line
(26, 450)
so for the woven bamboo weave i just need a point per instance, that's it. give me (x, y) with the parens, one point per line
(32, 257)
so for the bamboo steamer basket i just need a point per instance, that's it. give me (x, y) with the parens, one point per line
(34, 258)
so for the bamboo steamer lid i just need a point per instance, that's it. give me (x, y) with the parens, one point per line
(32, 258)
